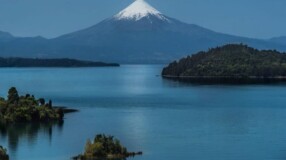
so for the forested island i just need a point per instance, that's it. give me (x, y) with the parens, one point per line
(27, 108)
(105, 147)
(64, 62)
(230, 63)
(3, 154)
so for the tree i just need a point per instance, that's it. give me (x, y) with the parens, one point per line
(28, 96)
(88, 149)
(13, 96)
(3, 154)
(42, 101)
(50, 104)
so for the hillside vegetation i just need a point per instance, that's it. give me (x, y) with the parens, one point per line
(230, 61)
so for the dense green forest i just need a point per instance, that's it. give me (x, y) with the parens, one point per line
(3, 154)
(31, 62)
(27, 108)
(103, 147)
(230, 61)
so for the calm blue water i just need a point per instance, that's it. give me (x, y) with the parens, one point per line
(164, 119)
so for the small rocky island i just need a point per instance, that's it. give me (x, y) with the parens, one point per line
(105, 147)
(3, 154)
(27, 108)
(230, 63)
(64, 62)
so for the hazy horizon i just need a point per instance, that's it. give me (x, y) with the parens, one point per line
(255, 18)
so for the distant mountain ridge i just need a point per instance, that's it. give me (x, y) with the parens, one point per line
(137, 34)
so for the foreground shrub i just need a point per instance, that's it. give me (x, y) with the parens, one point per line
(105, 147)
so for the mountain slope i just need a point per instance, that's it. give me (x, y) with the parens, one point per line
(25, 47)
(5, 36)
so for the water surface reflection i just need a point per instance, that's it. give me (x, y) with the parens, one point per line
(14, 133)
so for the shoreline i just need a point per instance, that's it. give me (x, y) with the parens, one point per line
(66, 110)
(227, 79)
(220, 77)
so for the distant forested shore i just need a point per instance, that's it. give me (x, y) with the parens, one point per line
(63, 62)
(230, 63)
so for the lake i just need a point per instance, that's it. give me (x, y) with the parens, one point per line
(167, 120)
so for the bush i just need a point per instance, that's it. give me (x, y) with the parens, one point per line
(105, 147)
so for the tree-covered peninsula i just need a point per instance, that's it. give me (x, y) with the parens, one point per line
(3, 154)
(233, 61)
(27, 108)
(105, 147)
(64, 62)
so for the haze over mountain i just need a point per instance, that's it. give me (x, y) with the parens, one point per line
(137, 34)
(280, 40)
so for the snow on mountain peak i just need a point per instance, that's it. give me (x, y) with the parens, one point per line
(138, 10)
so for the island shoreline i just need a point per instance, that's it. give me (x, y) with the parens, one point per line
(227, 79)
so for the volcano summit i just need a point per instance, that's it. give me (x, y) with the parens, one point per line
(137, 10)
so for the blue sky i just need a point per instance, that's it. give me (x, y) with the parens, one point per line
(51, 18)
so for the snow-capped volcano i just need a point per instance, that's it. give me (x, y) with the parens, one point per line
(142, 34)
(138, 10)
(138, 34)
